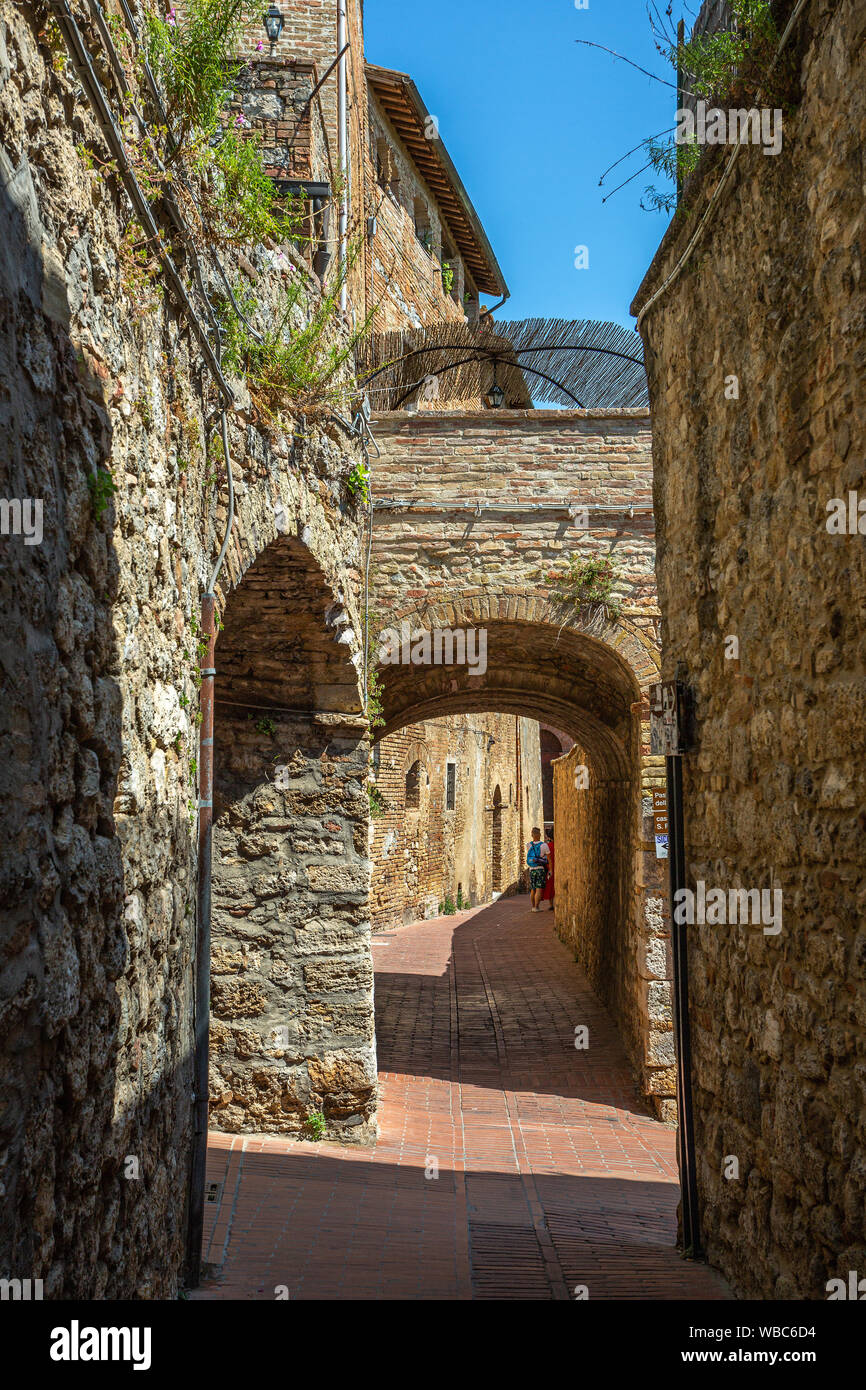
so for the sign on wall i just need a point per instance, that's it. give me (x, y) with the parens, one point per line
(660, 823)
(664, 720)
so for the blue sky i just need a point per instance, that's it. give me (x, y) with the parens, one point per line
(531, 120)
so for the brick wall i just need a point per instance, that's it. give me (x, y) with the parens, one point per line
(511, 457)
(422, 855)
(446, 568)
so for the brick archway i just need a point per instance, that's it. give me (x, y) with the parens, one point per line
(586, 672)
(478, 516)
(568, 668)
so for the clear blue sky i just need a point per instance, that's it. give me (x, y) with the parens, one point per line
(531, 120)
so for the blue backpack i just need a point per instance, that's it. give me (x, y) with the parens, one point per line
(533, 855)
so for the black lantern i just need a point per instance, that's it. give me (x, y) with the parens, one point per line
(273, 22)
(495, 397)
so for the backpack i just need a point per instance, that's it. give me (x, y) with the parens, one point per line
(533, 855)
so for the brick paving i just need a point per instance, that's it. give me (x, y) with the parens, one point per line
(551, 1175)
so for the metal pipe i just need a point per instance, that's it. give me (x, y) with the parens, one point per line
(486, 313)
(343, 147)
(554, 508)
(682, 1027)
(195, 1230)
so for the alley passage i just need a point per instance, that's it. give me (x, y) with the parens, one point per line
(550, 1173)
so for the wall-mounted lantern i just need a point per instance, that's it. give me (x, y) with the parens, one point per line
(274, 24)
(495, 397)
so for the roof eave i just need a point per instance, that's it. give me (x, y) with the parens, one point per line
(423, 115)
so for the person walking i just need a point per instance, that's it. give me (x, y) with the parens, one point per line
(537, 855)
(549, 886)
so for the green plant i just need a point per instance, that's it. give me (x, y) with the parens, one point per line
(375, 691)
(378, 804)
(358, 480)
(102, 486)
(586, 581)
(190, 56)
(447, 276)
(266, 726)
(237, 201)
(675, 162)
(734, 65)
(447, 908)
(301, 360)
(460, 903)
(314, 1124)
(737, 67)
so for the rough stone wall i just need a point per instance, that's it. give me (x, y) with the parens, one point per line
(501, 458)
(422, 855)
(99, 695)
(618, 923)
(274, 100)
(292, 976)
(775, 788)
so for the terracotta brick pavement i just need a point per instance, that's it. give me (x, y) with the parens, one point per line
(551, 1174)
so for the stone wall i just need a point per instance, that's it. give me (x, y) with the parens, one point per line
(423, 854)
(612, 909)
(763, 613)
(101, 380)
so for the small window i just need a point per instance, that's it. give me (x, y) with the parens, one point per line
(423, 230)
(413, 786)
(450, 786)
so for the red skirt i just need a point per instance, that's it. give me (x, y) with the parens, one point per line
(547, 895)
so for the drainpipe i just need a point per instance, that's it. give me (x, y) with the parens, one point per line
(682, 1025)
(343, 145)
(202, 946)
(201, 1025)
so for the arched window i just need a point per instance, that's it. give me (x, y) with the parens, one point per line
(423, 230)
(413, 786)
(496, 867)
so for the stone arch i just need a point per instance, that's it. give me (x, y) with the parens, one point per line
(586, 673)
(583, 672)
(292, 1006)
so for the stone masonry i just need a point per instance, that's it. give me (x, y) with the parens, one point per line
(582, 670)
(758, 393)
(103, 388)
